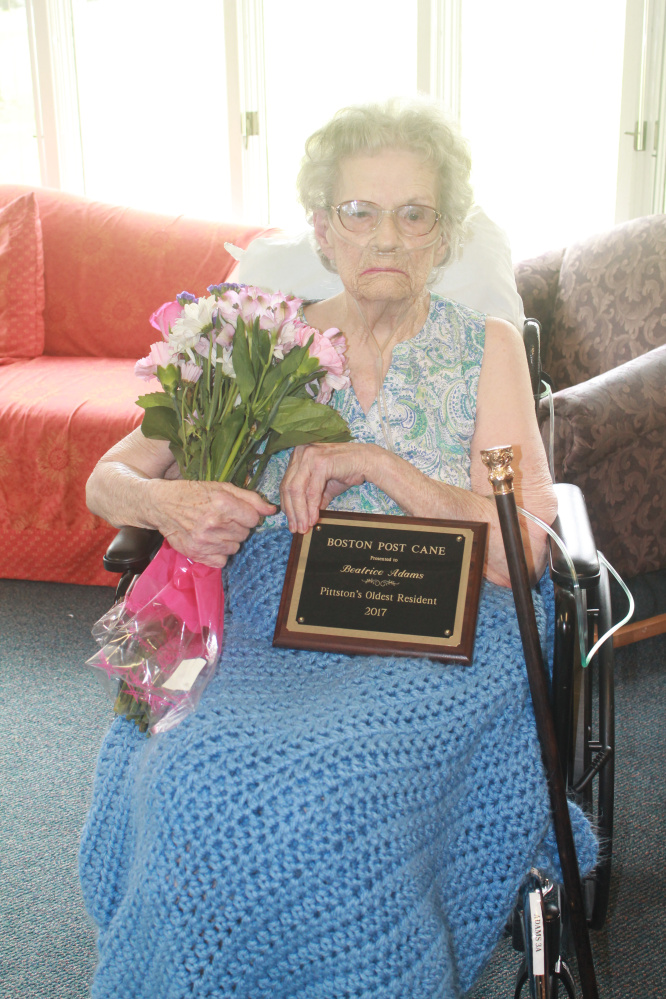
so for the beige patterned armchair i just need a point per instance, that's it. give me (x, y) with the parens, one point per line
(602, 307)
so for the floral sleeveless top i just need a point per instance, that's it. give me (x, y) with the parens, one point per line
(430, 393)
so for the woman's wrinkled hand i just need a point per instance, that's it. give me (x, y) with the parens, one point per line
(207, 521)
(316, 474)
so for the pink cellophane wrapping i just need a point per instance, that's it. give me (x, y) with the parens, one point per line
(163, 640)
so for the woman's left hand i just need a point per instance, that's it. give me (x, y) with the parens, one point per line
(316, 474)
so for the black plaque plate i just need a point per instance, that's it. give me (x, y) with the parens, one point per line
(375, 584)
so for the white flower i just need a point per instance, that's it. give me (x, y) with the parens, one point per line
(226, 362)
(190, 372)
(186, 331)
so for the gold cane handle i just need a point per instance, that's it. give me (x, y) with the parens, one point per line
(498, 462)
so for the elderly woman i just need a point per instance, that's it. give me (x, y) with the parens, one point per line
(332, 825)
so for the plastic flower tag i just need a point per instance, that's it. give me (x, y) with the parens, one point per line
(241, 377)
(163, 640)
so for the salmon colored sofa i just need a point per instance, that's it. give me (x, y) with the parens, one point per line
(78, 281)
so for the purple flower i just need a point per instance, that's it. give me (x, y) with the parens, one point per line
(219, 289)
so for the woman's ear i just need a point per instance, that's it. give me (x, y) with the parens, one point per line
(322, 226)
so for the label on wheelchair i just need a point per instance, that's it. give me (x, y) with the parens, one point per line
(376, 584)
(538, 930)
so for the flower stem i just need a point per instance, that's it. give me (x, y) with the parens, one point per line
(224, 477)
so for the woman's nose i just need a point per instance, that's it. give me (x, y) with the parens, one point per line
(387, 234)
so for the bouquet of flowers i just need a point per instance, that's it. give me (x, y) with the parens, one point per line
(241, 378)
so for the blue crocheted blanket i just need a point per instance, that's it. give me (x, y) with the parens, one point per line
(323, 825)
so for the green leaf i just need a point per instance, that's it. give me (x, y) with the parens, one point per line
(294, 413)
(245, 377)
(288, 366)
(224, 439)
(155, 399)
(261, 347)
(169, 377)
(160, 423)
(304, 421)
(264, 340)
(282, 442)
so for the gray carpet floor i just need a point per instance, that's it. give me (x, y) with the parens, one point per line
(53, 715)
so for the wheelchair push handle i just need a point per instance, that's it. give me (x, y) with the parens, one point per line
(498, 461)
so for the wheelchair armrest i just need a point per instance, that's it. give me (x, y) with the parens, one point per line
(573, 527)
(532, 343)
(132, 549)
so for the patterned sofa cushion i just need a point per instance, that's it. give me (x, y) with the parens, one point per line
(538, 280)
(57, 416)
(107, 268)
(21, 279)
(610, 305)
(610, 439)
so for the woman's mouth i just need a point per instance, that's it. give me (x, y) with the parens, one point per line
(382, 270)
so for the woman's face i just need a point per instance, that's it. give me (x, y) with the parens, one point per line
(385, 264)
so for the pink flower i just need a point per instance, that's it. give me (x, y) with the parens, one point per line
(224, 336)
(189, 371)
(284, 309)
(329, 349)
(256, 304)
(203, 348)
(294, 333)
(247, 303)
(164, 317)
(228, 306)
(159, 356)
(331, 383)
(276, 311)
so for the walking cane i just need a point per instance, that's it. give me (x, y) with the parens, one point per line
(498, 461)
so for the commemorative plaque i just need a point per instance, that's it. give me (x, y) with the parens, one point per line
(384, 585)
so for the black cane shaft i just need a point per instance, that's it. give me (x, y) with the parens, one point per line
(539, 689)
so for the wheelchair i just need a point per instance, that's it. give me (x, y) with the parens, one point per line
(582, 702)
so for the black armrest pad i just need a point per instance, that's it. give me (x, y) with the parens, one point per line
(532, 342)
(573, 527)
(132, 549)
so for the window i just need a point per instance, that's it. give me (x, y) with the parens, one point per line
(19, 158)
(156, 104)
(318, 58)
(540, 103)
(152, 101)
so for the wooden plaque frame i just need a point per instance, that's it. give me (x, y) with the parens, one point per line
(376, 584)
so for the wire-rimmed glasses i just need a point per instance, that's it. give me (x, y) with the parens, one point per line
(363, 217)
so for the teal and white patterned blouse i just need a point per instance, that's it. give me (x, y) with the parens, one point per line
(430, 391)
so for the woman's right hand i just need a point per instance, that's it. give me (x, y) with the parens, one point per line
(207, 521)
(136, 483)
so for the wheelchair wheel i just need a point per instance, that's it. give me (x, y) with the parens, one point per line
(593, 763)
(561, 983)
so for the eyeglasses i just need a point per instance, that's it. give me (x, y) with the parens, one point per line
(364, 217)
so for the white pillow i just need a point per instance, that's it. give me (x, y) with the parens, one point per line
(481, 278)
